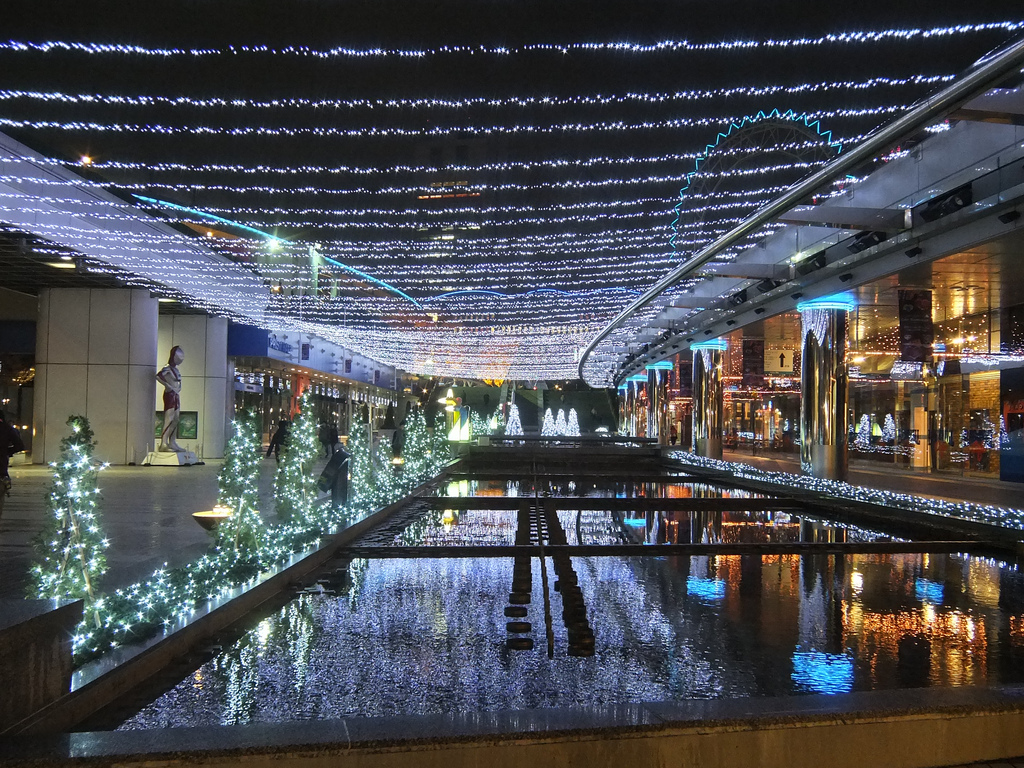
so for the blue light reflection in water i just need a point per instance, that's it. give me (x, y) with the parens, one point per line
(818, 672)
(928, 591)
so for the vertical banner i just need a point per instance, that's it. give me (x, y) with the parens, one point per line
(753, 362)
(916, 331)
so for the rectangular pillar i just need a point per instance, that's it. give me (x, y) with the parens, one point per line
(95, 356)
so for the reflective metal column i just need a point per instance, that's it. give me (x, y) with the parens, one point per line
(624, 408)
(657, 401)
(707, 399)
(638, 419)
(823, 385)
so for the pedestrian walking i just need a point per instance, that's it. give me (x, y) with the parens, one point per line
(278, 441)
(10, 444)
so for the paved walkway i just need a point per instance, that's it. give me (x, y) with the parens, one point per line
(146, 514)
(953, 488)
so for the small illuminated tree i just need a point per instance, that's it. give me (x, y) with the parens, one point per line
(889, 429)
(70, 555)
(514, 427)
(385, 486)
(360, 491)
(440, 448)
(572, 429)
(560, 424)
(548, 427)
(238, 485)
(416, 450)
(295, 485)
(863, 439)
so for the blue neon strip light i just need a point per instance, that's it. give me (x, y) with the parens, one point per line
(640, 378)
(210, 216)
(372, 279)
(663, 365)
(236, 225)
(844, 301)
(787, 115)
(717, 344)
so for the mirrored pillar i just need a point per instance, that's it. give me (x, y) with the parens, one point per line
(638, 411)
(657, 401)
(823, 388)
(624, 408)
(707, 398)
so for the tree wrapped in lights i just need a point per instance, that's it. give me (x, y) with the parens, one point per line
(497, 421)
(863, 439)
(238, 485)
(385, 486)
(295, 487)
(889, 429)
(560, 423)
(70, 550)
(416, 451)
(572, 429)
(514, 427)
(440, 449)
(548, 427)
(360, 489)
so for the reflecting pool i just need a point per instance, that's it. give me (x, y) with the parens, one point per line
(420, 635)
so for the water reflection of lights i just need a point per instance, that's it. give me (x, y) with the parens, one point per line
(819, 672)
(928, 591)
(857, 581)
(706, 590)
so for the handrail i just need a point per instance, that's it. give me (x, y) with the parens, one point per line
(975, 81)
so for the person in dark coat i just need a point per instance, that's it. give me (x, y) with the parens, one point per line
(278, 441)
(324, 436)
(334, 477)
(10, 444)
(335, 439)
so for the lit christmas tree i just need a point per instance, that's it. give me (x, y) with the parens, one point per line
(295, 486)
(560, 424)
(360, 489)
(514, 427)
(863, 440)
(385, 486)
(572, 429)
(69, 550)
(889, 429)
(497, 422)
(416, 450)
(440, 449)
(238, 484)
(548, 427)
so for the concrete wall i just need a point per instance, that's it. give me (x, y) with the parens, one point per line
(95, 356)
(205, 379)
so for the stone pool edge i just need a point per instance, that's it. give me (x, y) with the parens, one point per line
(900, 728)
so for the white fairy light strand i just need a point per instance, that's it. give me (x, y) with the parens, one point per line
(436, 131)
(661, 47)
(238, 102)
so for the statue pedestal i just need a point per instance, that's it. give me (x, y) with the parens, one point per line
(170, 459)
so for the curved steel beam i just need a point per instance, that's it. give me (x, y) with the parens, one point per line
(976, 80)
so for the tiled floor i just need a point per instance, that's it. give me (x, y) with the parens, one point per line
(146, 514)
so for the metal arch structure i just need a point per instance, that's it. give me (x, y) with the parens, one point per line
(984, 75)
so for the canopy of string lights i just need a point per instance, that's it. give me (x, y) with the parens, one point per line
(472, 190)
